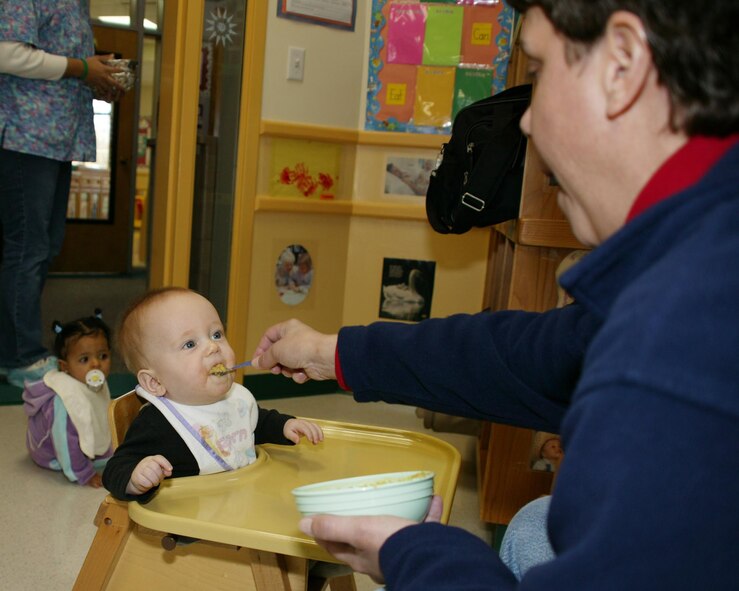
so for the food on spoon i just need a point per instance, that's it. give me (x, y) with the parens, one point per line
(218, 370)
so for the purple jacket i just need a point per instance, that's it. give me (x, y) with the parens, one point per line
(52, 439)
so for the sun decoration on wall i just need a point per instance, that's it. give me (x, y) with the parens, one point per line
(220, 26)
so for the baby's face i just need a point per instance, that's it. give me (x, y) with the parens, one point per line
(552, 450)
(183, 339)
(86, 353)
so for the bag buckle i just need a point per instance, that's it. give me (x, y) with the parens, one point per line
(474, 203)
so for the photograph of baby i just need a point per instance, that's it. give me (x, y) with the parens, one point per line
(407, 287)
(293, 274)
(408, 176)
(546, 452)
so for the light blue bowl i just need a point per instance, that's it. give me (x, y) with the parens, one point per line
(403, 494)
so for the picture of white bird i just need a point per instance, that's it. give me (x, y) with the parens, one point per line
(406, 289)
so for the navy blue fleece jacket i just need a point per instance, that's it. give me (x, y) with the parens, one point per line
(647, 495)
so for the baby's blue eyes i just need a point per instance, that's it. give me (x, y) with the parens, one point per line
(217, 336)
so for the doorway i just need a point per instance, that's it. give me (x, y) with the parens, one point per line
(98, 233)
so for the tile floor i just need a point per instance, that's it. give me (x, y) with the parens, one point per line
(46, 522)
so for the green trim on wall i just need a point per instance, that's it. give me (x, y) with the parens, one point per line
(498, 532)
(268, 386)
(118, 384)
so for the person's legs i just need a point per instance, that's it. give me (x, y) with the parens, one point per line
(33, 200)
(525, 542)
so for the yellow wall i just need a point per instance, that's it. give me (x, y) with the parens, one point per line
(349, 237)
(347, 254)
(326, 239)
(460, 265)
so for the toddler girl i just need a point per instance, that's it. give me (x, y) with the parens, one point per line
(67, 409)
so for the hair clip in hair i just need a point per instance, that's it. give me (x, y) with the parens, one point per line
(57, 327)
(95, 379)
(98, 313)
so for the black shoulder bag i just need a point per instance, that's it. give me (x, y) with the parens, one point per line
(477, 181)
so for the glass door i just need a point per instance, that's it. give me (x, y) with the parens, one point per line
(99, 208)
(222, 54)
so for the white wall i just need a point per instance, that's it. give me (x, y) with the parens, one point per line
(323, 97)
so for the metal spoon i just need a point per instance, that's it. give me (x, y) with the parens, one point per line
(231, 369)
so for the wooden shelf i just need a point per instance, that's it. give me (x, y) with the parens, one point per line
(304, 131)
(398, 211)
(540, 232)
(522, 265)
(407, 140)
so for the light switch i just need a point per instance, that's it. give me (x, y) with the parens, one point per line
(295, 63)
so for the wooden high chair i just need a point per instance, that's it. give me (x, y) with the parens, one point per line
(121, 413)
(124, 555)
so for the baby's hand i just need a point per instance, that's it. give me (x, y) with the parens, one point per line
(294, 428)
(147, 474)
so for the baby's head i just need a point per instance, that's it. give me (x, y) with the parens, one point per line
(304, 262)
(551, 449)
(287, 259)
(83, 345)
(171, 338)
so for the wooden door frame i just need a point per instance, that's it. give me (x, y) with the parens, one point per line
(174, 169)
(245, 185)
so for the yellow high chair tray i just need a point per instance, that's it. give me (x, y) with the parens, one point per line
(252, 508)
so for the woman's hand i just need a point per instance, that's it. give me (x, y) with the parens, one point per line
(297, 351)
(357, 540)
(98, 77)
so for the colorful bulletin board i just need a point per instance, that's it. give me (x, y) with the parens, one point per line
(429, 59)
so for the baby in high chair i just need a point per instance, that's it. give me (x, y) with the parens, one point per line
(198, 420)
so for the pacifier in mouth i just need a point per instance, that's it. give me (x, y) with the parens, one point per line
(95, 379)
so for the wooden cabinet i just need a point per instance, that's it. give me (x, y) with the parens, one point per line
(523, 259)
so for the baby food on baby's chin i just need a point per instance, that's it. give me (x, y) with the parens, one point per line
(218, 370)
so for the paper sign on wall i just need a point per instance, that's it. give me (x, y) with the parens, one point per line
(411, 41)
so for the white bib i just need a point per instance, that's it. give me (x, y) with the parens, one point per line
(87, 409)
(226, 427)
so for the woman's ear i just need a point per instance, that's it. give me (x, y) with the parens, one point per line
(149, 382)
(628, 62)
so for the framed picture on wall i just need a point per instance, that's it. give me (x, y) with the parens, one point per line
(304, 168)
(407, 289)
(293, 274)
(408, 176)
(330, 13)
